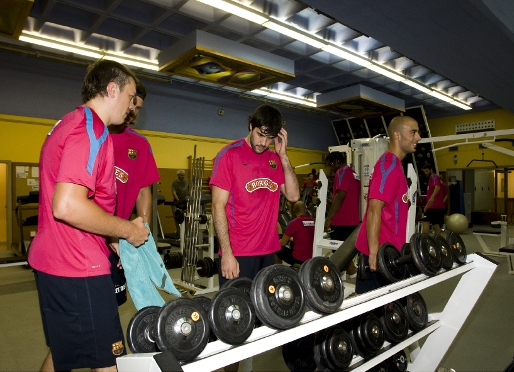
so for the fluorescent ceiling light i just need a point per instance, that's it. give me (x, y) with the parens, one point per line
(387, 73)
(441, 96)
(284, 97)
(88, 51)
(417, 86)
(294, 34)
(461, 105)
(364, 62)
(236, 10)
(60, 46)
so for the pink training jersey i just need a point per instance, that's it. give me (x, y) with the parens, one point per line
(301, 229)
(388, 184)
(253, 181)
(439, 198)
(349, 213)
(77, 150)
(135, 168)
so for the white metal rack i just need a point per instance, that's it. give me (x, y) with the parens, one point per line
(441, 331)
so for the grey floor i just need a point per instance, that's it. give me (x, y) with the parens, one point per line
(484, 343)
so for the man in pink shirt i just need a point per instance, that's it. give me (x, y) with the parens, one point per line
(301, 231)
(344, 214)
(434, 209)
(76, 205)
(387, 208)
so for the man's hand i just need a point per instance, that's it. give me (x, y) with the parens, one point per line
(281, 143)
(373, 262)
(229, 267)
(139, 234)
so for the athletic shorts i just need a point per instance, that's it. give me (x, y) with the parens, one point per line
(435, 216)
(80, 320)
(249, 266)
(341, 232)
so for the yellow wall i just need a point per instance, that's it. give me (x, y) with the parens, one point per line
(446, 126)
(22, 138)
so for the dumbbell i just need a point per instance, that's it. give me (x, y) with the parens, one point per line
(421, 253)
(180, 217)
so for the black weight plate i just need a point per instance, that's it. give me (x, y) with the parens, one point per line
(338, 349)
(416, 311)
(319, 341)
(202, 268)
(427, 255)
(167, 261)
(242, 283)
(206, 304)
(182, 328)
(351, 327)
(410, 267)
(371, 332)
(446, 252)
(394, 322)
(179, 216)
(232, 316)
(278, 297)
(299, 354)
(397, 363)
(321, 280)
(361, 269)
(141, 330)
(457, 247)
(386, 262)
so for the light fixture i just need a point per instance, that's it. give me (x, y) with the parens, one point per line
(288, 31)
(237, 10)
(338, 51)
(387, 72)
(87, 51)
(461, 105)
(441, 96)
(284, 97)
(418, 86)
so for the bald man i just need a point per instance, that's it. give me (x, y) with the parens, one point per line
(301, 231)
(387, 207)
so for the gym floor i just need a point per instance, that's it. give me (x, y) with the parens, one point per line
(484, 343)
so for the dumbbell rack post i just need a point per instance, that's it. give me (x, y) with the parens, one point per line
(442, 328)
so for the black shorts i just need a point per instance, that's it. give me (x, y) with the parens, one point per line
(286, 255)
(80, 320)
(249, 266)
(341, 232)
(372, 281)
(435, 216)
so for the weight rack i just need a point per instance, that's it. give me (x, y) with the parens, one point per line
(442, 329)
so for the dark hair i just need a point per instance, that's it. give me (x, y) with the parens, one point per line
(335, 156)
(268, 118)
(100, 74)
(427, 166)
(141, 90)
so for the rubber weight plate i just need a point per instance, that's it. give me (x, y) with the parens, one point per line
(232, 316)
(299, 354)
(182, 328)
(446, 252)
(206, 304)
(141, 330)
(350, 327)
(457, 247)
(242, 283)
(278, 297)
(427, 255)
(337, 349)
(323, 285)
(319, 359)
(371, 332)
(410, 267)
(394, 321)
(386, 257)
(416, 311)
(397, 363)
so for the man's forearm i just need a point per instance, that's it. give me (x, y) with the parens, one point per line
(144, 204)
(221, 227)
(291, 189)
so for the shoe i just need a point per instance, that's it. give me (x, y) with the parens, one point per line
(353, 276)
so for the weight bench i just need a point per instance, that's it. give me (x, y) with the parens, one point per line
(509, 252)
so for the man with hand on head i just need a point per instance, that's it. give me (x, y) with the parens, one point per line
(247, 178)
(76, 205)
(387, 207)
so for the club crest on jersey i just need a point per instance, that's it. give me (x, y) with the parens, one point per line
(117, 348)
(405, 198)
(132, 154)
(272, 164)
(261, 183)
(120, 174)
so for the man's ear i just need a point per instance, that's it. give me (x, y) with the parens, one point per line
(111, 89)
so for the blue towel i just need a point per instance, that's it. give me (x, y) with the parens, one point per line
(144, 271)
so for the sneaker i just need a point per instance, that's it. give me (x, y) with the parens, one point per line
(353, 276)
